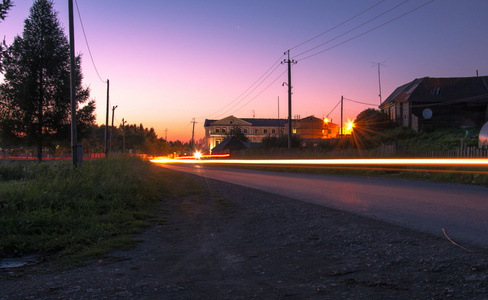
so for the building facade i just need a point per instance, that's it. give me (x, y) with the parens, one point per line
(255, 129)
(308, 128)
(439, 102)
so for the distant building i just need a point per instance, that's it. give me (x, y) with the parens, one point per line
(439, 102)
(216, 131)
(311, 128)
(308, 128)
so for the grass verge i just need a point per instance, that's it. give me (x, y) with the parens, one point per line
(77, 213)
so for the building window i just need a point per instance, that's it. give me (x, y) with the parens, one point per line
(217, 142)
(265, 130)
(256, 131)
(217, 130)
(223, 130)
(245, 130)
(294, 131)
(273, 130)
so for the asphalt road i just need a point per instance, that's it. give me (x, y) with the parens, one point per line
(461, 211)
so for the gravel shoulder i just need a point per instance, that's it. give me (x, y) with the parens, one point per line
(240, 243)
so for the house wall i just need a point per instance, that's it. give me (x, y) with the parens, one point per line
(215, 134)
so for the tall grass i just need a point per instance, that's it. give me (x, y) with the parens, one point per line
(53, 207)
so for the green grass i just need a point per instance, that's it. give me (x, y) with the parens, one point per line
(79, 212)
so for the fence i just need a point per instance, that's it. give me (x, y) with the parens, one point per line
(32, 156)
(459, 152)
(383, 151)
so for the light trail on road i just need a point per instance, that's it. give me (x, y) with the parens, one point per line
(467, 165)
(403, 161)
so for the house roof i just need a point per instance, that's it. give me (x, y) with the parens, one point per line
(230, 143)
(435, 90)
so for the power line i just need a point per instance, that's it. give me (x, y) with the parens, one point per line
(260, 92)
(277, 62)
(334, 107)
(368, 31)
(87, 45)
(359, 102)
(254, 90)
(350, 19)
(360, 25)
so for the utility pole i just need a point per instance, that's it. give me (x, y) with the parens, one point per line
(106, 120)
(193, 134)
(289, 62)
(112, 130)
(379, 77)
(76, 151)
(342, 113)
(279, 122)
(123, 137)
(166, 135)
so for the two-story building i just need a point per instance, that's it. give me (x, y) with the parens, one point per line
(308, 128)
(255, 129)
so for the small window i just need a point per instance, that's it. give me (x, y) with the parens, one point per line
(217, 130)
(245, 130)
(273, 130)
(265, 131)
(223, 130)
(435, 91)
(256, 131)
(217, 142)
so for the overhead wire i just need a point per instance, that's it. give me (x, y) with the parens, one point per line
(87, 45)
(254, 90)
(334, 108)
(337, 26)
(368, 31)
(260, 92)
(351, 30)
(359, 102)
(251, 89)
(276, 62)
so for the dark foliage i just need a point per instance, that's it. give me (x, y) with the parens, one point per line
(237, 133)
(270, 142)
(370, 124)
(36, 88)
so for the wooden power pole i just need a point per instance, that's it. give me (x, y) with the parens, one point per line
(289, 62)
(76, 153)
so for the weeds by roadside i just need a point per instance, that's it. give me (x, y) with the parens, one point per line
(54, 208)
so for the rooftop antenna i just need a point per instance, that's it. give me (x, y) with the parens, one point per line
(379, 64)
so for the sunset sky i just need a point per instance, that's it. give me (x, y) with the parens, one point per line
(171, 61)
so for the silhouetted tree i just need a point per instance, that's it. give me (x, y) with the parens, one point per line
(36, 86)
(4, 8)
(237, 133)
(369, 124)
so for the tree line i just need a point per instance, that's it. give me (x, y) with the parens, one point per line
(35, 106)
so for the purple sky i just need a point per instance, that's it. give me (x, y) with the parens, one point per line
(171, 61)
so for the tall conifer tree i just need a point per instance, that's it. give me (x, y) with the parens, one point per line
(36, 88)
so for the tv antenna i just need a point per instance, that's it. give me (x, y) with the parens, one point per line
(379, 64)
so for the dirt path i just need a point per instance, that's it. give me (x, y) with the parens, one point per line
(239, 243)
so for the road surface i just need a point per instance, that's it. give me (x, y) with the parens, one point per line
(461, 211)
